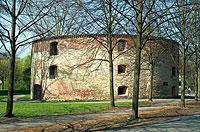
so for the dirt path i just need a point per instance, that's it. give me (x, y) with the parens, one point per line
(21, 123)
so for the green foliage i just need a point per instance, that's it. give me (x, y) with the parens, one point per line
(27, 71)
(3, 92)
(18, 75)
(16, 92)
(4, 64)
(22, 73)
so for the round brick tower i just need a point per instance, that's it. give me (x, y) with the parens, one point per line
(76, 67)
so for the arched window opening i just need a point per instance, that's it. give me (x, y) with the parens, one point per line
(54, 48)
(37, 92)
(122, 90)
(121, 69)
(52, 72)
(121, 45)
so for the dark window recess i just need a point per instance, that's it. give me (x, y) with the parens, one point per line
(121, 69)
(122, 90)
(52, 72)
(121, 45)
(54, 48)
(173, 71)
(165, 83)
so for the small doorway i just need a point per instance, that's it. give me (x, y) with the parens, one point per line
(174, 91)
(37, 93)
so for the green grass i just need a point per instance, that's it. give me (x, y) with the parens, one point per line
(39, 109)
(3, 97)
(25, 98)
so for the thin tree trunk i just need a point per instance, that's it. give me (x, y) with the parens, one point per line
(137, 62)
(112, 103)
(151, 57)
(196, 53)
(199, 86)
(9, 108)
(196, 86)
(151, 87)
(183, 58)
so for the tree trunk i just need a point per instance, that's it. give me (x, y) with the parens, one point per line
(151, 57)
(196, 86)
(199, 86)
(9, 108)
(151, 87)
(137, 62)
(196, 52)
(183, 58)
(112, 103)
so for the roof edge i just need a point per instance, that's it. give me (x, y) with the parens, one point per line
(81, 36)
(96, 35)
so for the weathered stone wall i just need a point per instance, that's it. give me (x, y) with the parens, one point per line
(83, 72)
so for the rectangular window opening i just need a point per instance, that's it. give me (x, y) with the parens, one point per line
(122, 90)
(121, 69)
(121, 45)
(165, 83)
(52, 72)
(54, 48)
(173, 71)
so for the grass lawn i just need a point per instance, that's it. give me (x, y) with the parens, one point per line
(25, 98)
(39, 109)
(3, 97)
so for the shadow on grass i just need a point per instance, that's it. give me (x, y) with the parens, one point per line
(120, 125)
